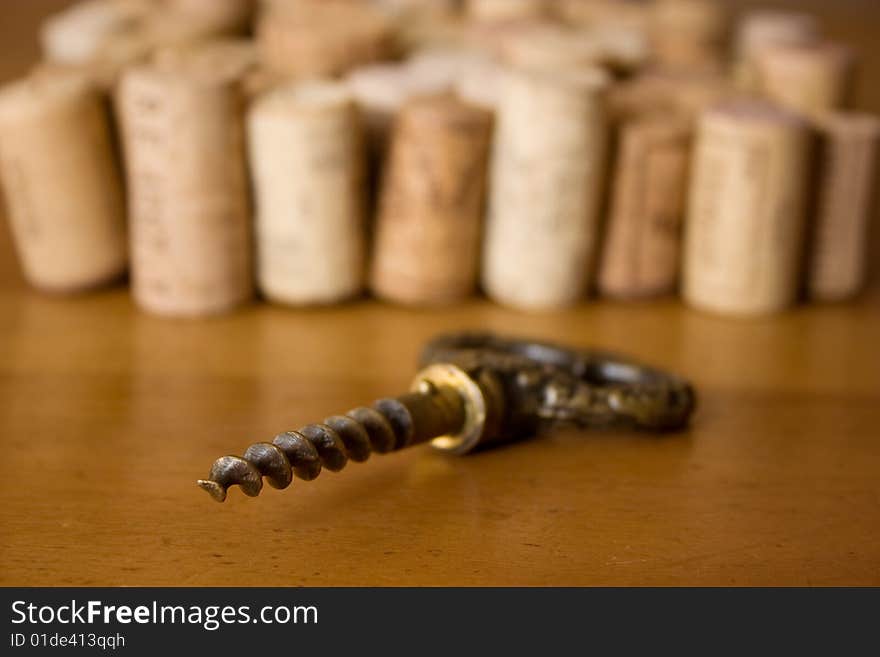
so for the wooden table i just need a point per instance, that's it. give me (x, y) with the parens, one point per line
(107, 417)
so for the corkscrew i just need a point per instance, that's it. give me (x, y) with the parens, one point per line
(474, 390)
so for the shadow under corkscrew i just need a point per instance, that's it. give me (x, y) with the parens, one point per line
(475, 389)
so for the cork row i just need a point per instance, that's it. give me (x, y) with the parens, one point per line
(540, 153)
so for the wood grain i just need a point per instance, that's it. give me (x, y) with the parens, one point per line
(107, 416)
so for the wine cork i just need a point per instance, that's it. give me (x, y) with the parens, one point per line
(431, 208)
(427, 25)
(430, 8)
(622, 48)
(313, 38)
(96, 39)
(689, 34)
(258, 81)
(640, 256)
(545, 189)
(226, 16)
(745, 225)
(62, 183)
(490, 11)
(100, 38)
(848, 163)
(494, 39)
(80, 33)
(554, 47)
(480, 85)
(380, 90)
(308, 168)
(811, 79)
(182, 128)
(102, 75)
(471, 74)
(236, 58)
(676, 92)
(765, 28)
(178, 27)
(441, 68)
(614, 13)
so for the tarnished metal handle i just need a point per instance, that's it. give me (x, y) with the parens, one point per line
(547, 384)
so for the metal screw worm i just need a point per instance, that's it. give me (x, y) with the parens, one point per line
(390, 424)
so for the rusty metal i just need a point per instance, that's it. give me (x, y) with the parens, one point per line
(475, 389)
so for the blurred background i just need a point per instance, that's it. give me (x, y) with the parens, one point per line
(108, 415)
(851, 22)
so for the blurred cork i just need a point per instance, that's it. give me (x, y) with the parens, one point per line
(100, 38)
(640, 257)
(471, 74)
(547, 174)
(424, 23)
(494, 38)
(82, 32)
(233, 58)
(380, 90)
(182, 128)
(689, 34)
(317, 38)
(766, 28)
(810, 79)
(551, 48)
(232, 17)
(746, 213)
(613, 13)
(489, 11)
(62, 182)
(307, 159)
(847, 166)
(431, 209)
(675, 92)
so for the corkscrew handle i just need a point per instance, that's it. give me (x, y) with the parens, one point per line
(536, 385)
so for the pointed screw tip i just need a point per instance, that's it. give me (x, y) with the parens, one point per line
(214, 489)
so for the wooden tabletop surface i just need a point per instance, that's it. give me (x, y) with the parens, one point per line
(108, 416)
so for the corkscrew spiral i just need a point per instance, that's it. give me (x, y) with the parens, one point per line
(305, 452)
